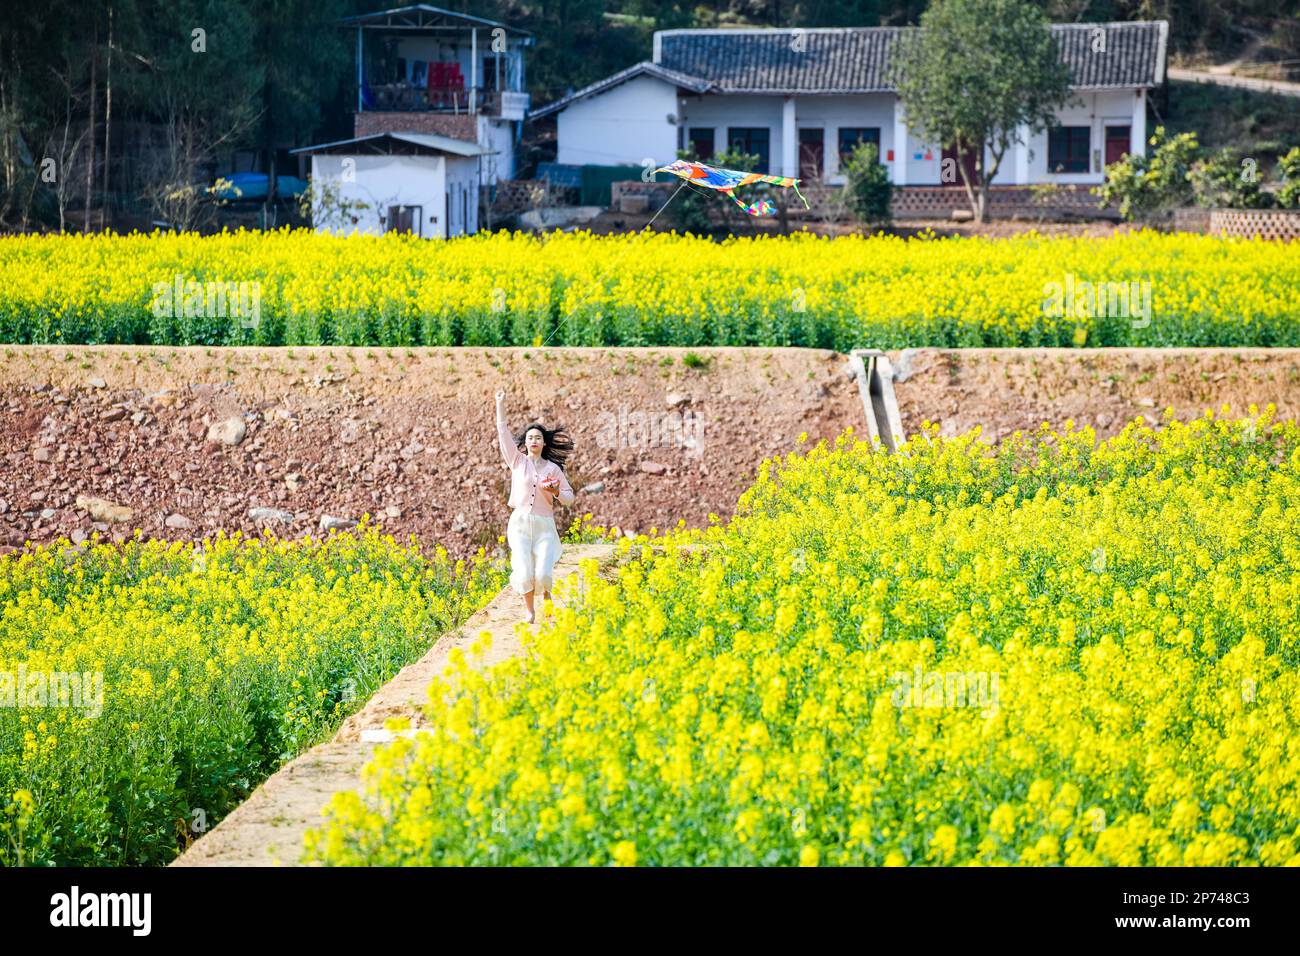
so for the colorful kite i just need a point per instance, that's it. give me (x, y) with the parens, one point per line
(726, 181)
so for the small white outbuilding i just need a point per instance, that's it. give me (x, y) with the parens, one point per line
(420, 183)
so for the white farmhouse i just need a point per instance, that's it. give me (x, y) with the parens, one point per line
(420, 183)
(440, 104)
(802, 99)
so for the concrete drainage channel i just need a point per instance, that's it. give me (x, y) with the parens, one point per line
(268, 828)
(875, 375)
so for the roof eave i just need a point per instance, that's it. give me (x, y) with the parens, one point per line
(757, 91)
(645, 68)
(865, 91)
(1162, 44)
(1112, 87)
(375, 20)
(470, 151)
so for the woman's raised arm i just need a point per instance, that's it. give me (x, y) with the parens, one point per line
(509, 450)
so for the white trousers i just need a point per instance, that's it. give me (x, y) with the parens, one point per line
(534, 549)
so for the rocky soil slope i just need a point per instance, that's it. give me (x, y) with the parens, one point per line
(181, 442)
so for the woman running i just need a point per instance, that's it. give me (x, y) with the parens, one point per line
(536, 479)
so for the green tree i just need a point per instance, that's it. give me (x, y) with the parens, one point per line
(1288, 167)
(304, 60)
(973, 75)
(1150, 187)
(199, 82)
(870, 190)
(1228, 179)
(192, 79)
(46, 52)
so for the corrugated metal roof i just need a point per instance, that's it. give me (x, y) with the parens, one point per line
(430, 141)
(422, 16)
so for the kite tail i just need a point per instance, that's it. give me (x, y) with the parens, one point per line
(795, 185)
(763, 207)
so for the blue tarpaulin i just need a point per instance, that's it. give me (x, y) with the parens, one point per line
(560, 174)
(252, 186)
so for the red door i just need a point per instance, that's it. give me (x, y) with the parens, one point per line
(1117, 143)
(947, 170)
(811, 153)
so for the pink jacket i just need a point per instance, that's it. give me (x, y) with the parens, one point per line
(525, 477)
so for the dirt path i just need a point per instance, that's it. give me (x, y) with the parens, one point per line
(1255, 85)
(268, 828)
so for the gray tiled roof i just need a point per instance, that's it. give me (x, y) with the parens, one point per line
(856, 60)
(645, 68)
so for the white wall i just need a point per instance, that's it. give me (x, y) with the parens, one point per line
(924, 161)
(621, 127)
(925, 164)
(827, 113)
(721, 112)
(383, 181)
(628, 124)
(1096, 111)
(462, 195)
(498, 136)
(831, 112)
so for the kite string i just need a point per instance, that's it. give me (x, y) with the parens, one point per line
(560, 325)
(664, 206)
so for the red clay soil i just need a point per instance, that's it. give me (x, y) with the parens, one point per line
(407, 435)
(1003, 390)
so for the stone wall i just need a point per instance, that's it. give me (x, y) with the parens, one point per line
(635, 196)
(1192, 219)
(516, 195)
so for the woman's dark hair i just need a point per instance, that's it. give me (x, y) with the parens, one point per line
(556, 447)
